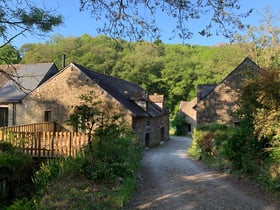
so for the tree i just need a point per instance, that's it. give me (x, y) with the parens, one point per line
(260, 104)
(93, 115)
(178, 73)
(262, 43)
(9, 54)
(87, 115)
(142, 66)
(113, 150)
(20, 17)
(137, 19)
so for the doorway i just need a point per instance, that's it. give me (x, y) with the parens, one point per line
(162, 134)
(4, 116)
(147, 139)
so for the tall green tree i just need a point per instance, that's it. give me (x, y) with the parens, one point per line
(9, 55)
(142, 66)
(98, 53)
(179, 73)
(260, 104)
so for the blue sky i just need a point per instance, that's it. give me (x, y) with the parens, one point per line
(77, 23)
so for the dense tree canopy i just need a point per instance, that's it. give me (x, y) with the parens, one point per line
(9, 54)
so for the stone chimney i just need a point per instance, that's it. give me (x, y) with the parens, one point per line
(63, 60)
(157, 99)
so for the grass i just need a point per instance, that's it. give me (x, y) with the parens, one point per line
(82, 193)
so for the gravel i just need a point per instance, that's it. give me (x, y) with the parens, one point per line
(169, 179)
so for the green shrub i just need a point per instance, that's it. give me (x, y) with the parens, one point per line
(271, 168)
(48, 172)
(17, 169)
(232, 146)
(22, 204)
(239, 149)
(6, 147)
(179, 122)
(209, 141)
(244, 151)
(116, 154)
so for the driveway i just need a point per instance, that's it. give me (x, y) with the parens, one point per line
(171, 180)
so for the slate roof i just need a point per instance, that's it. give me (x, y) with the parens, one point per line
(204, 89)
(25, 78)
(233, 77)
(118, 89)
(236, 76)
(187, 107)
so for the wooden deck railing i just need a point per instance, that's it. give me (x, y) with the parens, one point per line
(46, 144)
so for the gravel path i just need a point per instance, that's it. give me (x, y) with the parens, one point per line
(171, 180)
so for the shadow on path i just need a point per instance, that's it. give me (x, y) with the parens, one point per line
(170, 179)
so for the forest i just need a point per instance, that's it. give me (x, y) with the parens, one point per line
(174, 70)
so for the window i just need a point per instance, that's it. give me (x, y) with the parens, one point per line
(4, 116)
(47, 116)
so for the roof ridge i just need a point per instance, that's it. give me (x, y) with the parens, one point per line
(105, 75)
(247, 59)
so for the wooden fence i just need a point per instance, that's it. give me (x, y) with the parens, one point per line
(35, 127)
(46, 144)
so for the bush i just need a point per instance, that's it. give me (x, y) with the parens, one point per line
(243, 151)
(116, 154)
(48, 172)
(209, 140)
(232, 146)
(179, 122)
(239, 149)
(16, 170)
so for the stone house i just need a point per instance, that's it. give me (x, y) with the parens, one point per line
(56, 98)
(217, 103)
(16, 81)
(186, 108)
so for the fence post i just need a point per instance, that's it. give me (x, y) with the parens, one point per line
(39, 145)
(70, 144)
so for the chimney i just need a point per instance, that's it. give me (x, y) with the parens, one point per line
(63, 60)
(157, 99)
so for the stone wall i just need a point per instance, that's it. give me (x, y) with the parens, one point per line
(152, 131)
(159, 130)
(221, 103)
(219, 107)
